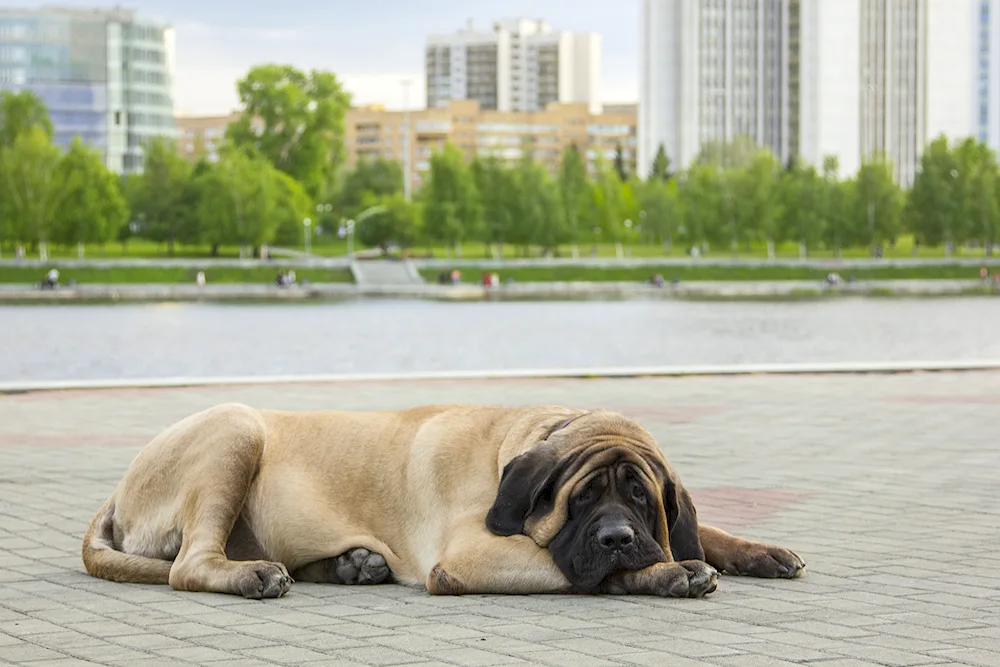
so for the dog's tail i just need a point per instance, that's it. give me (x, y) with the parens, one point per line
(102, 559)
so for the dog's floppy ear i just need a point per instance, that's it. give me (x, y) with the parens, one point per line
(682, 521)
(526, 486)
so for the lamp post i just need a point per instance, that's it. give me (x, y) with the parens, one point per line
(407, 149)
(307, 233)
(949, 236)
(322, 209)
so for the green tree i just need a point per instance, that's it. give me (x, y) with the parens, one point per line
(128, 186)
(190, 229)
(607, 207)
(453, 211)
(804, 207)
(377, 177)
(158, 200)
(735, 154)
(660, 211)
(387, 221)
(295, 120)
(620, 163)
(91, 208)
(538, 220)
(933, 202)
(735, 222)
(976, 184)
(876, 204)
(759, 200)
(497, 186)
(31, 187)
(984, 206)
(19, 112)
(837, 230)
(238, 202)
(702, 205)
(292, 205)
(661, 165)
(574, 194)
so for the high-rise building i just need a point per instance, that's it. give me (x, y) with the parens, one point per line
(853, 79)
(105, 76)
(519, 65)
(988, 73)
(713, 70)
(919, 71)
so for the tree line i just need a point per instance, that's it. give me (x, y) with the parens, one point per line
(283, 160)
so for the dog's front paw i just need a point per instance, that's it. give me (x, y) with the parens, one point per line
(767, 562)
(687, 579)
(702, 578)
(262, 579)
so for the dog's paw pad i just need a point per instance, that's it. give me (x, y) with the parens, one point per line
(361, 566)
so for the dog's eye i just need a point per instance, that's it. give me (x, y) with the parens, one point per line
(587, 496)
(638, 493)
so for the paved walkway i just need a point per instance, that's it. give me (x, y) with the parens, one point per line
(886, 484)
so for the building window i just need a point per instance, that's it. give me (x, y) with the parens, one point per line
(432, 126)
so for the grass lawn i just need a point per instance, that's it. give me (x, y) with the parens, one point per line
(685, 273)
(334, 247)
(903, 250)
(222, 274)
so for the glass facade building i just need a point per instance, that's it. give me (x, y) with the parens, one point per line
(104, 75)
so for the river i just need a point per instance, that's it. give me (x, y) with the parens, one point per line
(81, 342)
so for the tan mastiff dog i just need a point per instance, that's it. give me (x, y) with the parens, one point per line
(459, 499)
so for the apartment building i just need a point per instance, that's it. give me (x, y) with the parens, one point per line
(106, 75)
(202, 136)
(814, 78)
(518, 65)
(373, 131)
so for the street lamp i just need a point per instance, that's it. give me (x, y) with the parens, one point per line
(949, 236)
(407, 169)
(618, 245)
(350, 238)
(306, 230)
(321, 218)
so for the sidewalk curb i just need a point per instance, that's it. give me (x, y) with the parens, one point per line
(17, 386)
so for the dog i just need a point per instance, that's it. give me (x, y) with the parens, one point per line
(459, 499)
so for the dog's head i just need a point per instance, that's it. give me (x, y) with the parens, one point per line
(599, 494)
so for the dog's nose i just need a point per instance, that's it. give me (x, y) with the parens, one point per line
(615, 537)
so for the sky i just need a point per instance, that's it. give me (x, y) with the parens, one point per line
(371, 46)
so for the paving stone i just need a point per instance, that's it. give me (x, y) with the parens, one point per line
(380, 655)
(876, 480)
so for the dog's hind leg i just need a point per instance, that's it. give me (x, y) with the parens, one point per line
(220, 458)
(357, 566)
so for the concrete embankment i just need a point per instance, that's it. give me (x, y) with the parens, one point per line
(787, 289)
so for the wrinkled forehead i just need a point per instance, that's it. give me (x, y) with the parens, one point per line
(611, 473)
(584, 464)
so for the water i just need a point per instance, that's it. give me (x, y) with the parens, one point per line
(199, 340)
